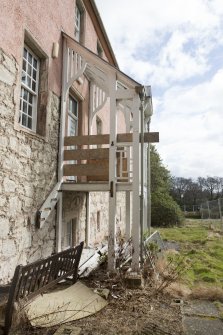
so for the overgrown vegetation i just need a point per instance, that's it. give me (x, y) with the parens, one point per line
(164, 211)
(202, 246)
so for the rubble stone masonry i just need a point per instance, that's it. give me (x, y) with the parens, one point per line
(28, 165)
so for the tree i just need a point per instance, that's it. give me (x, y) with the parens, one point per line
(164, 210)
(211, 184)
(179, 187)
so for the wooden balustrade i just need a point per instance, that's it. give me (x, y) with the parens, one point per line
(94, 163)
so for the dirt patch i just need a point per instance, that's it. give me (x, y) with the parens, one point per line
(138, 311)
(132, 312)
(207, 293)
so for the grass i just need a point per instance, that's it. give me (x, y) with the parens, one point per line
(201, 244)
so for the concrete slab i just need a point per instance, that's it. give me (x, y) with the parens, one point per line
(201, 318)
(201, 307)
(202, 326)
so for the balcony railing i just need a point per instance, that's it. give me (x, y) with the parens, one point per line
(88, 161)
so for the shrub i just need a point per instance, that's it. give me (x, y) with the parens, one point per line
(165, 211)
(192, 215)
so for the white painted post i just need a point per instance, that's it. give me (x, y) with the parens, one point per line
(91, 107)
(127, 215)
(142, 161)
(88, 226)
(209, 212)
(88, 195)
(112, 173)
(220, 212)
(201, 210)
(61, 147)
(128, 193)
(59, 223)
(136, 186)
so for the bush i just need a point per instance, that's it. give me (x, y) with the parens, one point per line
(165, 211)
(192, 215)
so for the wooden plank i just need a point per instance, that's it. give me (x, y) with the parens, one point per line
(86, 140)
(151, 137)
(98, 178)
(86, 154)
(86, 169)
(124, 137)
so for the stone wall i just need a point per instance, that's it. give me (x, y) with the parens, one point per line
(99, 216)
(28, 170)
(74, 207)
(28, 165)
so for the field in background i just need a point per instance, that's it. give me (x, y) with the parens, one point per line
(200, 243)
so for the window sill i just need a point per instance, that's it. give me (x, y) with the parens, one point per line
(29, 132)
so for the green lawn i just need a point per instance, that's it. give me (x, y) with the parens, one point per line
(201, 244)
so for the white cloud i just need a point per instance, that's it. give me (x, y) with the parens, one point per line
(190, 122)
(136, 26)
(172, 45)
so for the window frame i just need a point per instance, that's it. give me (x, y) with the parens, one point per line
(70, 233)
(30, 91)
(100, 51)
(77, 22)
(98, 221)
(99, 128)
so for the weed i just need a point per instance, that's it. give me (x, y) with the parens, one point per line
(203, 249)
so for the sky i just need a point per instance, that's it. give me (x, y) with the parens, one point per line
(176, 46)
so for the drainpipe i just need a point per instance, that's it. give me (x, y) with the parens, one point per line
(142, 182)
(148, 184)
(87, 230)
(148, 112)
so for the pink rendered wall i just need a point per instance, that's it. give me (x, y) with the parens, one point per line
(44, 19)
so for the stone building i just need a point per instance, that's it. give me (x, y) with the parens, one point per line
(59, 85)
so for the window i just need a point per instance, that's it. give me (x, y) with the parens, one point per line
(77, 23)
(98, 125)
(71, 233)
(98, 221)
(73, 117)
(79, 18)
(72, 129)
(29, 89)
(99, 50)
(98, 128)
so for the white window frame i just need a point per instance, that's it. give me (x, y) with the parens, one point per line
(29, 90)
(99, 50)
(70, 237)
(77, 22)
(75, 118)
(98, 221)
(72, 115)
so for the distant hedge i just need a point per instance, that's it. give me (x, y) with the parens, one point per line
(192, 215)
